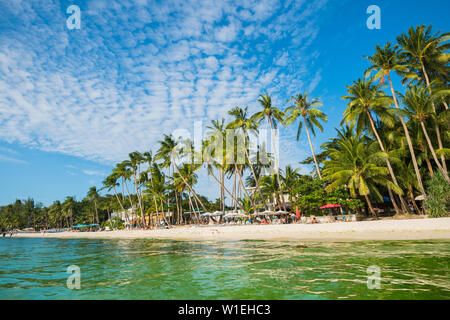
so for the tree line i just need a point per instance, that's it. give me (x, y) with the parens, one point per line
(389, 144)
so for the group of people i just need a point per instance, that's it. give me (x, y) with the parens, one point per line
(10, 233)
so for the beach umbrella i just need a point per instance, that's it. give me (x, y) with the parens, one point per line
(235, 215)
(264, 213)
(217, 213)
(281, 212)
(329, 206)
(206, 214)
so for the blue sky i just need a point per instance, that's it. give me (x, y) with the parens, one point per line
(74, 102)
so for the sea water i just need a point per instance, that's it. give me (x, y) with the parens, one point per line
(37, 268)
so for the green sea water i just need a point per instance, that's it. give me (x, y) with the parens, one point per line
(154, 269)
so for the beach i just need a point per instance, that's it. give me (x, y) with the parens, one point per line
(408, 229)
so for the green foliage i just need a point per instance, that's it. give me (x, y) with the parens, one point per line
(309, 195)
(114, 223)
(438, 196)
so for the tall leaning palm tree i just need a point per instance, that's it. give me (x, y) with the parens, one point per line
(419, 47)
(273, 116)
(418, 106)
(364, 98)
(310, 114)
(384, 61)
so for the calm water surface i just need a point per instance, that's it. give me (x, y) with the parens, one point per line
(153, 269)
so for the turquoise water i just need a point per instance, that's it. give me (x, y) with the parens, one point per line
(153, 269)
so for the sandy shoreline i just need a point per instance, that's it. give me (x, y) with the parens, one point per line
(414, 229)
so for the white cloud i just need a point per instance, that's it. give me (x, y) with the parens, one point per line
(136, 70)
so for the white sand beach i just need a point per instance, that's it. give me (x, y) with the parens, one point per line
(412, 229)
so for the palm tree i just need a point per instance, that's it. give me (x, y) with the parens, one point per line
(364, 98)
(310, 114)
(273, 115)
(289, 176)
(136, 159)
(418, 106)
(209, 149)
(110, 182)
(247, 125)
(166, 154)
(187, 178)
(271, 188)
(384, 61)
(148, 157)
(420, 46)
(216, 133)
(354, 164)
(93, 196)
(68, 206)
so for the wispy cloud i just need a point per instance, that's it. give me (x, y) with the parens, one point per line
(138, 69)
(93, 172)
(12, 160)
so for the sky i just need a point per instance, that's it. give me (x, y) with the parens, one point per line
(73, 102)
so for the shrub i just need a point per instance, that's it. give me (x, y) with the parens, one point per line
(437, 202)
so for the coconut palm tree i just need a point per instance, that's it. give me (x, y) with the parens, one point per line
(93, 196)
(364, 98)
(166, 153)
(384, 61)
(68, 206)
(310, 114)
(355, 164)
(136, 159)
(420, 46)
(418, 106)
(110, 182)
(209, 149)
(271, 189)
(247, 126)
(273, 116)
(123, 171)
(216, 133)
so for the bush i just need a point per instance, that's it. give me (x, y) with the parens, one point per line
(115, 223)
(437, 202)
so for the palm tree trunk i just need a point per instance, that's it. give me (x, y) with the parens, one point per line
(411, 195)
(394, 203)
(312, 148)
(129, 198)
(245, 190)
(370, 206)
(436, 126)
(253, 173)
(120, 203)
(162, 210)
(139, 200)
(429, 166)
(96, 211)
(276, 161)
(388, 162)
(190, 188)
(408, 139)
(223, 185)
(424, 129)
(222, 193)
(177, 217)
